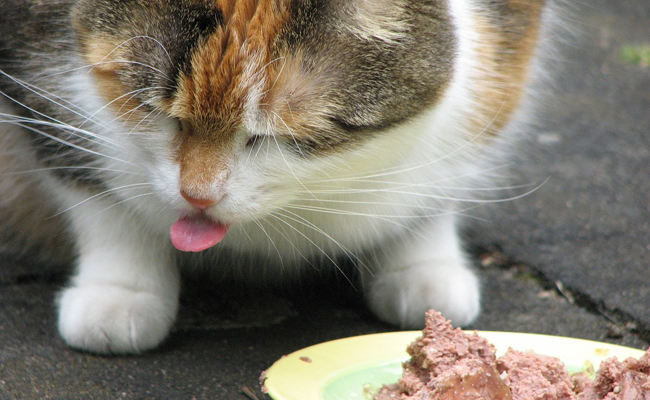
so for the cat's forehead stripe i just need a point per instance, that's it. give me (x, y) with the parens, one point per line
(230, 67)
(233, 62)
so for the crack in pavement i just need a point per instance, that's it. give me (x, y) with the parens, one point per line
(622, 321)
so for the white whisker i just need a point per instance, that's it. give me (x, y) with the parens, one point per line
(308, 224)
(103, 194)
(271, 243)
(381, 217)
(144, 118)
(78, 111)
(79, 133)
(293, 136)
(90, 66)
(437, 196)
(285, 237)
(82, 168)
(279, 217)
(72, 145)
(289, 165)
(132, 94)
(122, 202)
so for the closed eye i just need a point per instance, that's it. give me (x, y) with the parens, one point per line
(254, 140)
(300, 146)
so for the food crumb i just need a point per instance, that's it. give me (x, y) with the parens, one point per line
(262, 381)
(306, 359)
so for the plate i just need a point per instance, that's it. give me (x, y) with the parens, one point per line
(353, 368)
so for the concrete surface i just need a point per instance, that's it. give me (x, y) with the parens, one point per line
(588, 225)
(572, 258)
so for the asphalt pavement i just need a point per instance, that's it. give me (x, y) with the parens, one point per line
(571, 257)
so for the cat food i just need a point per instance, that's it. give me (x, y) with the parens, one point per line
(447, 363)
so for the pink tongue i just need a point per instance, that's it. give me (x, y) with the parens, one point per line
(196, 234)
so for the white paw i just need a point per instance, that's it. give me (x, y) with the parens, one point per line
(402, 297)
(114, 320)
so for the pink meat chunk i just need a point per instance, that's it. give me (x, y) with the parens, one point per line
(533, 376)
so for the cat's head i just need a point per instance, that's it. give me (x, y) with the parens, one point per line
(241, 102)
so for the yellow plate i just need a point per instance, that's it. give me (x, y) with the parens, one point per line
(352, 368)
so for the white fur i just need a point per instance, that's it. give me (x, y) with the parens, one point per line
(124, 297)
(421, 271)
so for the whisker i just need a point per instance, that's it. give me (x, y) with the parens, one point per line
(457, 199)
(122, 202)
(69, 144)
(162, 210)
(50, 96)
(83, 168)
(124, 43)
(378, 191)
(284, 235)
(73, 131)
(293, 136)
(362, 179)
(263, 67)
(259, 147)
(245, 232)
(102, 194)
(271, 243)
(279, 218)
(144, 118)
(162, 46)
(47, 117)
(115, 49)
(132, 94)
(289, 165)
(150, 119)
(382, 217)
(306, 223)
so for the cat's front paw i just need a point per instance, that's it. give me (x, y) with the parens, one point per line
(110, 319)
(401, 297)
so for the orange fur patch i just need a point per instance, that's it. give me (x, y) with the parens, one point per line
(106, 60)
(508, 56)
(203, 162)
(230, 66)
(224, 68)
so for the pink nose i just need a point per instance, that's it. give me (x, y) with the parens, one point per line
(201, 204)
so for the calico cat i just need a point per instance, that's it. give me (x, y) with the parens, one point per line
(259, 137)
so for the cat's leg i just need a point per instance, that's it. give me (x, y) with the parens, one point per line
(124, 296)
(423, 270)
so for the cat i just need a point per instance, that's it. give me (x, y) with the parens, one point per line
(264, 138)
